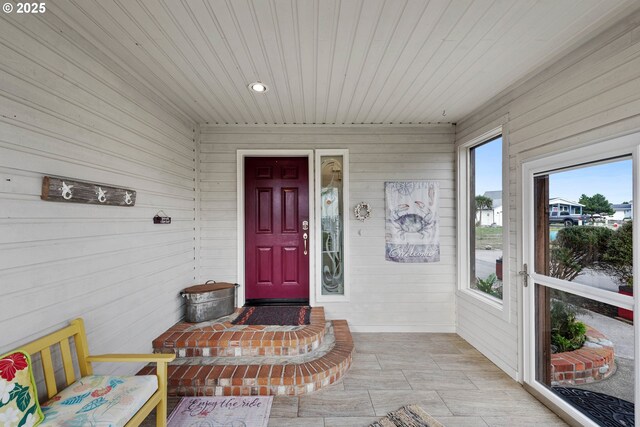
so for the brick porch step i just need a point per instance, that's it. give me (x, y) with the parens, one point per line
(256, 360)
(221, 338)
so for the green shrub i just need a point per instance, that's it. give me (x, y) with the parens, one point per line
(576, 248)
(567, 333)
(600, 248)
(489, 285)
(617, 259)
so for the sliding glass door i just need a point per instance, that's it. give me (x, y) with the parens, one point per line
(580, 251)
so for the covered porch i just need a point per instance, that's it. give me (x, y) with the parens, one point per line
(373, 130)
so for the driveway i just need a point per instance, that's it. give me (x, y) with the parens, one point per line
(486, 262)
(620, 384)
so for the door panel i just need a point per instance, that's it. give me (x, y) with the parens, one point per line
(264, 273)
(290, 217)
(290, 258)
(264, 213)
(276, 204)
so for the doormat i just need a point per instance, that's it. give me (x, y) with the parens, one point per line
(221, 411)
(274, 315)
(605, 410)
(407, 416)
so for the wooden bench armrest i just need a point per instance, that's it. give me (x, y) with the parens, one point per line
(159, 398)
(133, 358)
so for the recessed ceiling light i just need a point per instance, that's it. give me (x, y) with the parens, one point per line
(258, 87)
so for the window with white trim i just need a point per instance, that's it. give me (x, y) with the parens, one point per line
(483, 218)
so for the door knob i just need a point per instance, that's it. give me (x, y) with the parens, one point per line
(305, 237)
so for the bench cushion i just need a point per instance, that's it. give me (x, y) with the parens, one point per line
(18, 397)
(99, 400)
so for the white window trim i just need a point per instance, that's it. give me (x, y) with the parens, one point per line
(346, 215)
(598, 151)
(499, 308)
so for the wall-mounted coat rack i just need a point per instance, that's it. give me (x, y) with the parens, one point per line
(56, 189)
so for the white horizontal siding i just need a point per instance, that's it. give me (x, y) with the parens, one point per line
(591, 94)
(67, 110)
(385, 296)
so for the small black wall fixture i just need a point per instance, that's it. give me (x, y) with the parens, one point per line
(161, 219)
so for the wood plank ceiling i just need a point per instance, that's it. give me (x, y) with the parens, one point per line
(333, 61)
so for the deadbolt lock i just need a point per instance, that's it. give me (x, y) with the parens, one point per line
(305, 225)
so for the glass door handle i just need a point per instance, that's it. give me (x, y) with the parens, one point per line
(305, 237)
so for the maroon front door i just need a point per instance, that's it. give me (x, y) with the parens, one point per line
(276, 228)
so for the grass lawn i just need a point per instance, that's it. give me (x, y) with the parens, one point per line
(488, 236)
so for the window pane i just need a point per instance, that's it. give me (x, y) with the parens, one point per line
(589, 224)
(331, 212)
(585, 354)
(486, 217)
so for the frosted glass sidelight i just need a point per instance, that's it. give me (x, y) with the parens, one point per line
(332, 229)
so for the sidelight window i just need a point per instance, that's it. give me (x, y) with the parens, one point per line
(331, 213)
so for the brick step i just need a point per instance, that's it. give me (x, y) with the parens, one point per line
(223, 339)
(294, 376)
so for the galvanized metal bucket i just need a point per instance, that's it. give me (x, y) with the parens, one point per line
(209, 301)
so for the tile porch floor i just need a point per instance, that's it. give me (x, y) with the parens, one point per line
(441, 372)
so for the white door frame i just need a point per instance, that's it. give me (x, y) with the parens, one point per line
(628, 144)
(240, 155)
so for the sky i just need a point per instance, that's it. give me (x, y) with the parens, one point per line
(489, 167)
(613, 180)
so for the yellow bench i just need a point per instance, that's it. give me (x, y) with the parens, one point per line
(76, 330)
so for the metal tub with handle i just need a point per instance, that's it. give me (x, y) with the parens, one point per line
(209, 301)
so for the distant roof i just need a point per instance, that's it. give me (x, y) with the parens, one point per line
(621, 206)
(562, 201)
(496, 198)
(493, 195)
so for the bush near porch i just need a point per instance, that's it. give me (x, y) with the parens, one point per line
(598, 248)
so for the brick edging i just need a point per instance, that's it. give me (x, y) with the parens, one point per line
(585, 365)
(247, 380)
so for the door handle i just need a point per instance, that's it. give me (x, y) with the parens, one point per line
(305, 237)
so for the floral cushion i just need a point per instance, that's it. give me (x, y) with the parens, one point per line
(99, 400)
(18, 397)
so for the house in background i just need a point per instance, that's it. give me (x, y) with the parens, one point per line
(493, 216)
(558, 205)
(155, 96)
(485, 217)
(622, 211)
